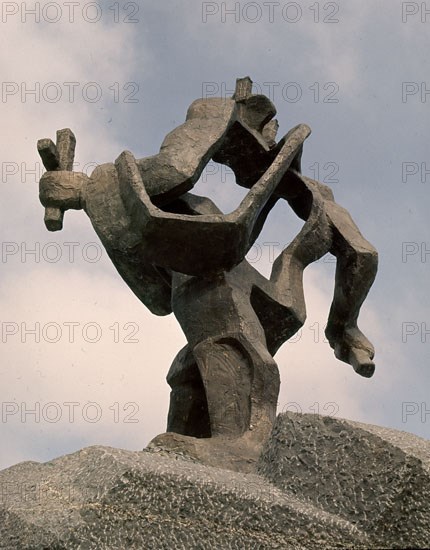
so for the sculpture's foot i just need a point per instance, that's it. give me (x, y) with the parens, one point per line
(354, 348)
(361, 362)
(239, 454)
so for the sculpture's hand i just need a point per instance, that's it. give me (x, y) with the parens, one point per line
(60, 191)
(60, 188)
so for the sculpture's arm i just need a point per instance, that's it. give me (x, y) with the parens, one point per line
(99, 196)
(187, 149)
(224, 127)
(198, 245)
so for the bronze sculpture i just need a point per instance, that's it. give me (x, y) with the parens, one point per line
(178, 252)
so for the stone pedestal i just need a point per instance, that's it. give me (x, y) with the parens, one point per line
(321, 483)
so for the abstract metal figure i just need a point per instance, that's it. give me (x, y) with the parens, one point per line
(178, 252)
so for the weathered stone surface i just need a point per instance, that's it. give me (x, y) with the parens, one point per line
(322, 483)
(374, 477)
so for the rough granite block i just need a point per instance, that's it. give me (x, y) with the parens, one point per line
(322, 483)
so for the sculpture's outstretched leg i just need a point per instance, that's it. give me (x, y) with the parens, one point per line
(357, 262)
(330, 228)
(313, 241)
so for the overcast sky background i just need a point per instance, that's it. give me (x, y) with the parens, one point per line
(360, 83)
